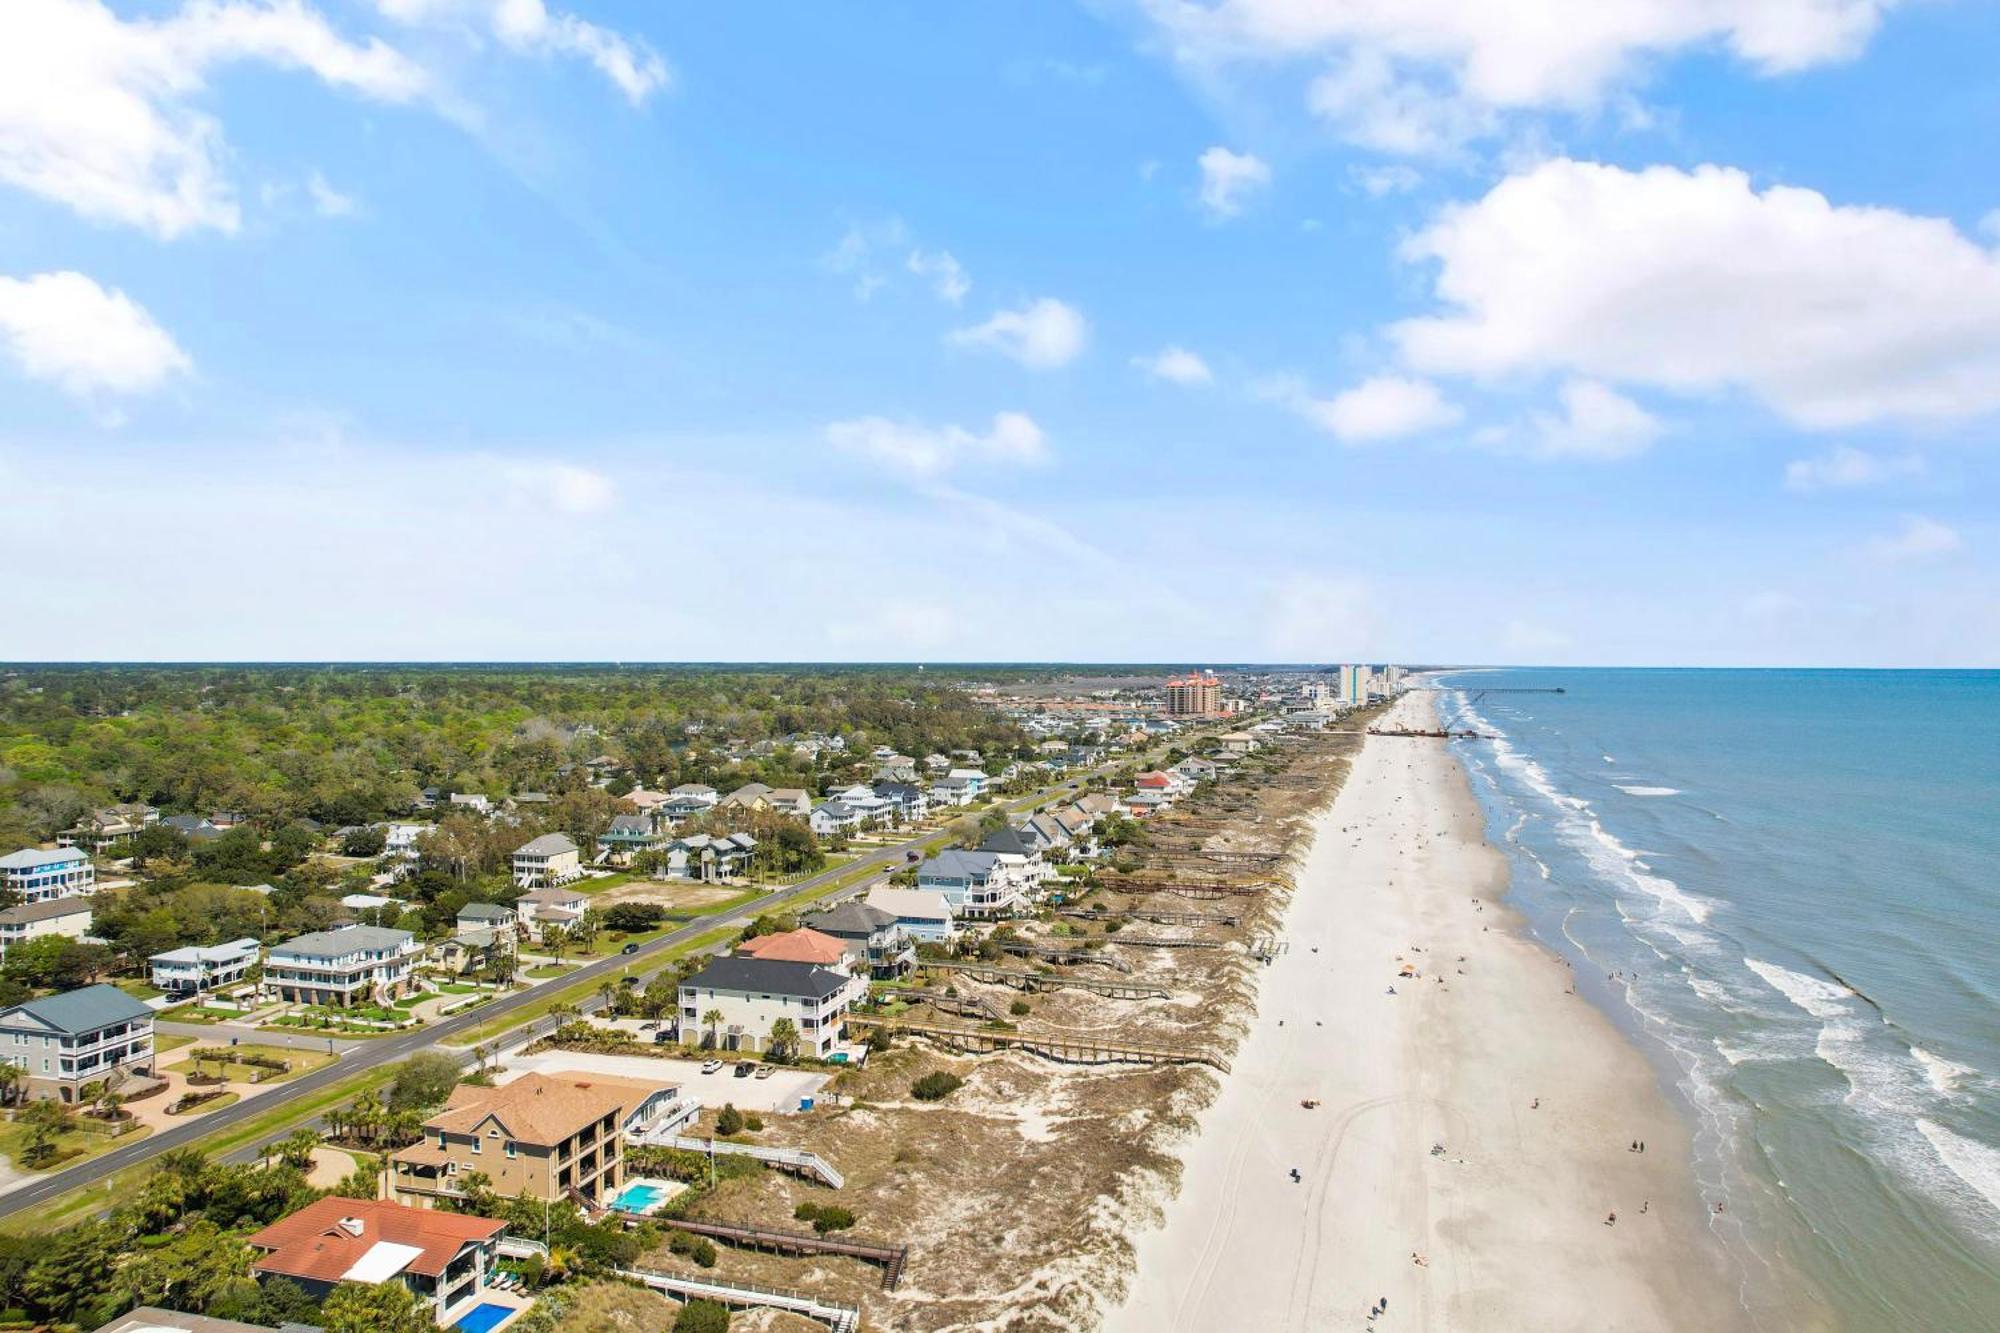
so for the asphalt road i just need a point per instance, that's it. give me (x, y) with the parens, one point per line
(369, 1054)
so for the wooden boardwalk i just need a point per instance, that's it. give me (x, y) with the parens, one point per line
(1043, 981)
(1068, 955)
(1065, 1049)
(891, 1257)
(1158, 916)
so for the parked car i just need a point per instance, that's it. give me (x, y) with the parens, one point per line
(765, 1071)
(710, 1066)
(661, 1037)
(744, 1069)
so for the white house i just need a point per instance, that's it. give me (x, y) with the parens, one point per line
(349, 966)
(751, 994)
(51, 916)
(831, 819)
(550, 906)
(545, 862)
(186, 971)
(974, 883)
(973, 778)
(922, 914)
(1020, 856)
(38, 876)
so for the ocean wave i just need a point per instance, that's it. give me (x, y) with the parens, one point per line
(1975, 1163)
(1821, 999)
(1648, 791)
(1944, 1075)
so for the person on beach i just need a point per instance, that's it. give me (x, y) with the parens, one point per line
(1611, 1221)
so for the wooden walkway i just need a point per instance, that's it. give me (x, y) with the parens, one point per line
(965, 1006)
(1158, 916)
(1160, 942)
(1203, 889)
(1071, 1049)
(1041, 981)
(836, 1315)
(891, 1257)
(1064, 954)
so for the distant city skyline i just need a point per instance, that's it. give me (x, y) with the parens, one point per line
(1131, 331)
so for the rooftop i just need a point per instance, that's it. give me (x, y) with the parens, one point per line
(25, 913)
(804, 945)
(541, 1108)
(83, 1010)
(349, 939)
(368, 1240)
(769, 976)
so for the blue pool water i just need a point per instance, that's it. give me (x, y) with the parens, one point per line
(482, 1317)
(637, 1198)
(1782, 883)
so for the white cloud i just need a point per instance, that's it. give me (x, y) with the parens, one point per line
(1378, 181)
(570, 488)
(947, 277)
(1694, 281)
(1042, 335)
(327, 201)
(1386, 407)
(1319, 618)
(1596, 422)
(1177, 365)
(1228, 179)
(530, 27)
(65, 329)
(1846, 468)
(96, 112)
(925, 452)
(1418, 75)
(1919, 539)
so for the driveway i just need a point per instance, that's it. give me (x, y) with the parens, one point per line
(778, 1093)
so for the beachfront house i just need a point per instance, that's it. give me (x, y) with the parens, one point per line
(751, 994)
(62, 1042)
(546, 862)
(38, 875)
(342, 968)
(445, 1259)
(546, 1137)
(833, 819)
(1020, 853)
(51, 916)
(976, 884)
(190, 971)
(871, 937)
(920, 914)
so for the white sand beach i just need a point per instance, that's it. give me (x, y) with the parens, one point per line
(1509, 1220)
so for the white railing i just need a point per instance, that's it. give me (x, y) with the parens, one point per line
(840, 1317)
(796, 1158)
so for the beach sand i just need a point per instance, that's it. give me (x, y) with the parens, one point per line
(1510, 1218)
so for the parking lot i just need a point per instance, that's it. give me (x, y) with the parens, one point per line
(780, 1092)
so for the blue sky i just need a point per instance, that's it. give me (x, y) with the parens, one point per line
(1596, 331)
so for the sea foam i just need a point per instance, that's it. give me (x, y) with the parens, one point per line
(1648, 791)
(1821, 999)
(1944, 1075)
(1975, 1163)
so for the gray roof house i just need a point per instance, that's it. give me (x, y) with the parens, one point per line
(65, 1041)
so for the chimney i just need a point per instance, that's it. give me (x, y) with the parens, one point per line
(353, 1226)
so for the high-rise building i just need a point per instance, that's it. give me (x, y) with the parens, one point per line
(1354, 685)
(1197, 694)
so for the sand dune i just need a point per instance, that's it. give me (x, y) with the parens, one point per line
(1509, 1217)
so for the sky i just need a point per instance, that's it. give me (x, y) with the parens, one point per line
(1562, 331)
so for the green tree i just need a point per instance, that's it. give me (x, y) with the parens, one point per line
(729, 1120)
(296, 1149)
(784, 1038)
(700, 1316)
(75, 1265)
(361, 1307)
(423, 1081)
(714, 1020)
(44, 1122)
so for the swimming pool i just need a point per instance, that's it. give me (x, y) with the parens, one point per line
(482, 1317)
(639, 1196)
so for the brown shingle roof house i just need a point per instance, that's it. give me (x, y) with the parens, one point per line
(442, 1257)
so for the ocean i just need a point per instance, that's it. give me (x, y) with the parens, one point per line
(1786, 886)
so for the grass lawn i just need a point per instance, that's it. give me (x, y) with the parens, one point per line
(456, 988)
(138, 989)
(195, 1013)
(212, 1104)
(72, 1146)
(167, 1041)
(546, 971)
(583, 990)
(302, 1062)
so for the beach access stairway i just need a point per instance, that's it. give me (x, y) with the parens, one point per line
(836, 1315)
(1070, 1049)
(1182, 886)
(891, 1257)
(785, 1159)
(965, 1006)
(1041, 981)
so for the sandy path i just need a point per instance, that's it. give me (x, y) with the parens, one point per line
(1510, 1218)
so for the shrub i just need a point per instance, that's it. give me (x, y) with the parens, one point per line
(1019, 1008)
(702, 1252)
(879, 1040)
(753, 1123)
(730, 1121)
(824, 1217)
(702, 1317)
(936, 1086)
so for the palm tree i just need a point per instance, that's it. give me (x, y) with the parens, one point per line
(714, 1020)
(784, 1037)
(11, 1078)
(296, 1148)
(555, 938)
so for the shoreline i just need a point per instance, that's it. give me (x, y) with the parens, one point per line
(1479, 1119)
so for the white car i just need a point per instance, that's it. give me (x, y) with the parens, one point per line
(710, 1066)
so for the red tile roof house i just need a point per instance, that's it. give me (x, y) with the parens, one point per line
(444, 1258)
